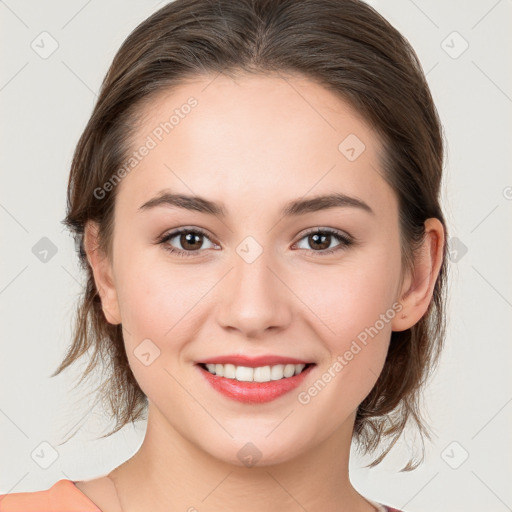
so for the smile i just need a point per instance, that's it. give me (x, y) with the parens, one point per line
(254, 384)
(258, 374)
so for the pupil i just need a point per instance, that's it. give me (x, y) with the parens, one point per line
(323, 241)
(188, 240)
(316, 238)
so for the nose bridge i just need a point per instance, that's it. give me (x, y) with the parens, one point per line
(254, 297)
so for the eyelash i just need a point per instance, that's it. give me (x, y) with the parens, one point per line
(345, 240)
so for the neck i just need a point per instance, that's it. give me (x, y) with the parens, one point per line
(170, 473)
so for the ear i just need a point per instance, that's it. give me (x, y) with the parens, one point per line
(418, 287)
(102, 271)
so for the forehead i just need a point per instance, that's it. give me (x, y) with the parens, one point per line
(253, 137)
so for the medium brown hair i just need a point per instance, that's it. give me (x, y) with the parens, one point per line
(347, 47)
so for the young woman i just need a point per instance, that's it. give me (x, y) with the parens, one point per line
(256, 202)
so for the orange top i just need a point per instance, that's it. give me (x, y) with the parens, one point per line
(65, 496)
(62, 496)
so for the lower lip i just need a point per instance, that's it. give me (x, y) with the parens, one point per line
(254, 392)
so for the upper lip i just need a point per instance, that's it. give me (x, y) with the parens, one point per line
(253, 362)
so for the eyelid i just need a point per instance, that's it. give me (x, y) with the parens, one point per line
(345, 240)
(176, 231)
(172, 233)
(325, 229)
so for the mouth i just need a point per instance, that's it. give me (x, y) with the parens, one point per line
(254, 384)
(261, 374)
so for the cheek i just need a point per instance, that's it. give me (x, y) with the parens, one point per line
(353, 295)
(155, 294)
(353, 309)
(354, 305)
(157, 303)
(164, 303)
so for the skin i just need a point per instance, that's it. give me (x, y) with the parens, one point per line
(254, 144)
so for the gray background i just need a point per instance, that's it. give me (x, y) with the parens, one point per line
(45, 102)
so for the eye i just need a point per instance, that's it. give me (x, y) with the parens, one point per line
(191, 241)
(322, 238)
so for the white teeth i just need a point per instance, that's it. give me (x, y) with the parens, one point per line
(229, 370)
(276, 372)
(258, 374)
(262, 374)
(299, 368)
(244, 374)
(289, 370)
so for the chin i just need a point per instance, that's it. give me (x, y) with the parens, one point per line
(257, 450)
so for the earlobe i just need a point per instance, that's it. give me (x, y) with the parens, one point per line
(418, 288)
(102, 271)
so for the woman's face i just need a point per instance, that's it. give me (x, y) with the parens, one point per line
(255, 280)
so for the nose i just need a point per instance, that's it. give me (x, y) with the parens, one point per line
(255, 298)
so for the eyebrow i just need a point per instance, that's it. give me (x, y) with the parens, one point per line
(296, 207)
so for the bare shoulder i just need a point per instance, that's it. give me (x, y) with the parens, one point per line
(101, 492)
